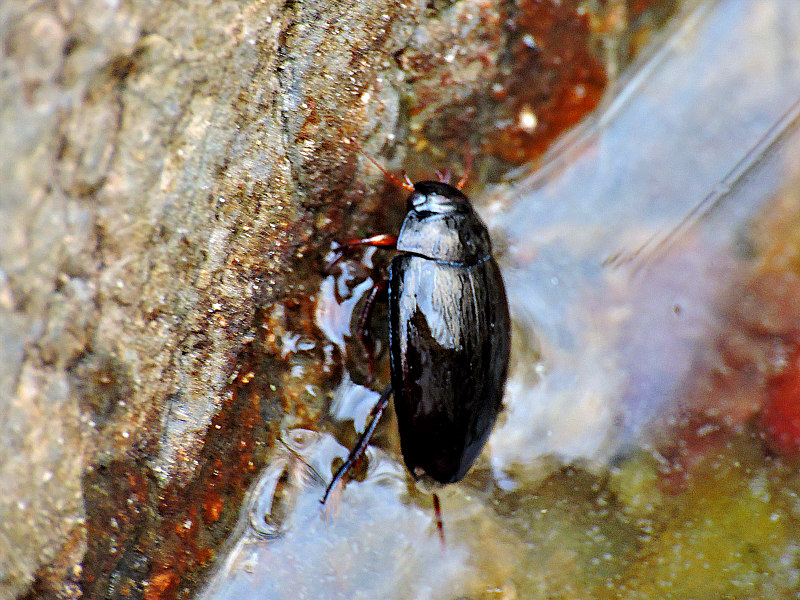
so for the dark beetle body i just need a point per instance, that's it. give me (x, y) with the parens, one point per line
(449, 337)
(449, 333)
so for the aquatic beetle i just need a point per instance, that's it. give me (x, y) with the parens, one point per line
(449, 334)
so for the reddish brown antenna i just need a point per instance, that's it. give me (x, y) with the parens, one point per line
(467, 169)
(407, 184)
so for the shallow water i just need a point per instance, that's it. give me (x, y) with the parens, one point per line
(631, 260)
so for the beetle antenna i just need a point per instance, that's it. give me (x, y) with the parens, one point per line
(407, 184)
(467, 168)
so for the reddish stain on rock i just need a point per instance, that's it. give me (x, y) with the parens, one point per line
(162, 585)
(555, 78)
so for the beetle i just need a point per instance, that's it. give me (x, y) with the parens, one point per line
(449, 334)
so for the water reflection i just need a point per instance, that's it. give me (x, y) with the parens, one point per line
(603, 264)
(633, 259)
(286, 546)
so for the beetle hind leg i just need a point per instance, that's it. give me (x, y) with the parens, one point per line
(358, 450)
(437, 510)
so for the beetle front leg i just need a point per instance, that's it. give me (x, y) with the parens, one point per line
(358, 450)
(384, 240)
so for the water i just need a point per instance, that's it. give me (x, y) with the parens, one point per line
(626, 257)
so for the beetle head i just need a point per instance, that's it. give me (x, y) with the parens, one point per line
(438, 198)
(441, 225)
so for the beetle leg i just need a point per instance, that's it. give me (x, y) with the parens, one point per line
(358, 450)
(383, 240)
(437, 509)
(361, 328)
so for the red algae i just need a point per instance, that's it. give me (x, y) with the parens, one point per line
(780, 417)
